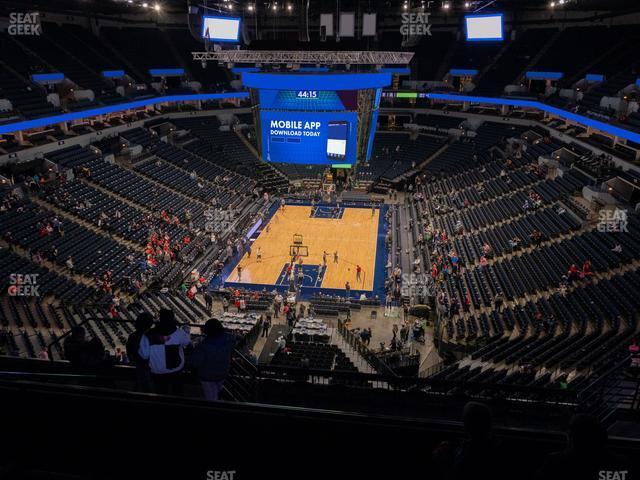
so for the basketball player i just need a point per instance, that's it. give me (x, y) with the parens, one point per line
(358, 273)
(373, 209)
(282, 204)
(239, 269)
(324, 259)
(259, 255)
(335, 257)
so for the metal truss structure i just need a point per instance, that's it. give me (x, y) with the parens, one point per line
(305, 57)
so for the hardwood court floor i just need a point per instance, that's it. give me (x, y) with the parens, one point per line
(354, 237)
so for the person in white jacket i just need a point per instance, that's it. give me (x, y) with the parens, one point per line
(163, 346)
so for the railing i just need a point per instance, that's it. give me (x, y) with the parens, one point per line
(432, 370)
(604, 395)
(354, 342)
(241, 384)
(613, 390)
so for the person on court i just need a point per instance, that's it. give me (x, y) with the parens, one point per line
(248, 251)
(324, 259)
(282, 202)
(239, 269)
(335, 257)
(259, 255)
(373, 209)
(358, 273)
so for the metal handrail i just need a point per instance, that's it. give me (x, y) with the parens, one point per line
(242, 368)
(376, 363)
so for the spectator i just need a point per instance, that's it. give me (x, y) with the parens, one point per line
(266, 325)
(69, 264)
(586, 454)
(83, 353)
(163, 346)
(477, 455)
(573, 273)
(208, 301)
(144, 322)
(498, 301)
(211, 359)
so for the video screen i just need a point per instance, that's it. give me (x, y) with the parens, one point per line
(484, 27)
(221, 29)
(337, 140)
(309, 126)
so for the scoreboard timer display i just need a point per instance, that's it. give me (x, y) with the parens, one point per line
(307, 94)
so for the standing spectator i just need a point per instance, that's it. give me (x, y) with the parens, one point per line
(404, 333)
(163, 346)
(208, 301)
(69, 264)
(479, 454)
(144, 322)
(83, 353)
(277, 302)
(211, 359)
(586, 455)
(266, 325)
(225, 304)
(498, 301)
(369, 335)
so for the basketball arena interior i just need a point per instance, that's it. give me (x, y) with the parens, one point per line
(296, 238)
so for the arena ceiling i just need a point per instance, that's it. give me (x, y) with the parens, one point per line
(119, 7)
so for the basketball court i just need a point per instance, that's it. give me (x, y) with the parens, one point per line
(305, 232)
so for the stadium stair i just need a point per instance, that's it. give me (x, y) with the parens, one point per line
(352, 354)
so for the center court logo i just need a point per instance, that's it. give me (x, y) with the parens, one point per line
(415, 24)
(24, 24)
(23, 285)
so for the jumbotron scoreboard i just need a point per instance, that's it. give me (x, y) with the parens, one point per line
(315, 118)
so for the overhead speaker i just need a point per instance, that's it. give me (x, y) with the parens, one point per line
(303, 21)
